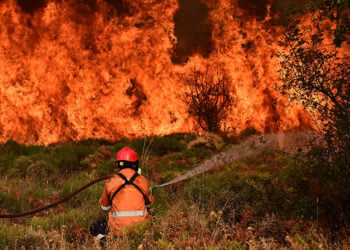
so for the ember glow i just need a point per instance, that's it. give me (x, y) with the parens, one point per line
(91, 69)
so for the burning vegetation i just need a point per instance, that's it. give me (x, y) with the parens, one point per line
(106, 69)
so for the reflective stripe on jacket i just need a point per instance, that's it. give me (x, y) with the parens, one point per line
(128, 205)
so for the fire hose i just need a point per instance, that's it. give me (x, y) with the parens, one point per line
(219, 159)
(64, 199)
(233, 153)
(55, 203)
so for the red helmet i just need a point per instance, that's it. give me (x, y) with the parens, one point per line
(127, 154)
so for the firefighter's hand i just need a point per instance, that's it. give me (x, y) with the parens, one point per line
(151, 214)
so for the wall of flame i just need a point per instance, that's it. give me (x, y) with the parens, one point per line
(71, 70)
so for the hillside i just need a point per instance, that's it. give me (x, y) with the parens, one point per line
(257, 197)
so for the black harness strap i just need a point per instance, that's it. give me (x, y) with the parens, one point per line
(130, 182)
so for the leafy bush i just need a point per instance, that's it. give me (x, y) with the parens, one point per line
(20, 166)
(315, 73)
(92, 142)
(57, 221)
(12, 147)
(259, 191)
(156, 145)
(76, 182)
(11, 236)
(43, 170)
(106, 168)
(68, 157)
(14, 203)
(167, 144)
(7, 162)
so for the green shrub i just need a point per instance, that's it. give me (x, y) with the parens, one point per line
(20, 166)
(56, 221)
(165, 245)
(9, 202)
(200, 152)
(94, 142)
(167, 144)
(162, 198)
(7, 162)
(182, 137)
(43, 170)
(135, 233)
(157, 145)
(35, 149)
(106, 168)
(69, 157)
(236, 245)
(233, 191)
(11, 236)
(42, 189)
(65, 158)
(81, 151)
(35, 166)
(13, 147)
(90, 194)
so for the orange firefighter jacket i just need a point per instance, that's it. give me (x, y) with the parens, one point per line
(128, 205)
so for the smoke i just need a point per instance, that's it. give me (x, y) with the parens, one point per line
(31, 6)
(122, 7)
(193, 28)
(260, 8)
(136, 92)
(193, 31)
(81, 6)
(280, 7)
(257, 8)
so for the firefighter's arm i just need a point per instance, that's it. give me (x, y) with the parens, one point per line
(150, 196)
(104, 201)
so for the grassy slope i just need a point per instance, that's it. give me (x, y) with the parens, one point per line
(260, 202)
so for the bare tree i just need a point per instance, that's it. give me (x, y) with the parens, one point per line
(209, 97)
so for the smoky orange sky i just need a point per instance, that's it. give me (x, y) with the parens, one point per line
(72, 70)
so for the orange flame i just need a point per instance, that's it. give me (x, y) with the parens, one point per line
(72, 71)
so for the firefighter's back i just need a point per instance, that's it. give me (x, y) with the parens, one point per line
(128, 204)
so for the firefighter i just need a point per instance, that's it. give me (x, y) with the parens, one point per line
(125, 195)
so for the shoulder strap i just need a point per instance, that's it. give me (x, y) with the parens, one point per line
(121, 186)
(130, 182)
